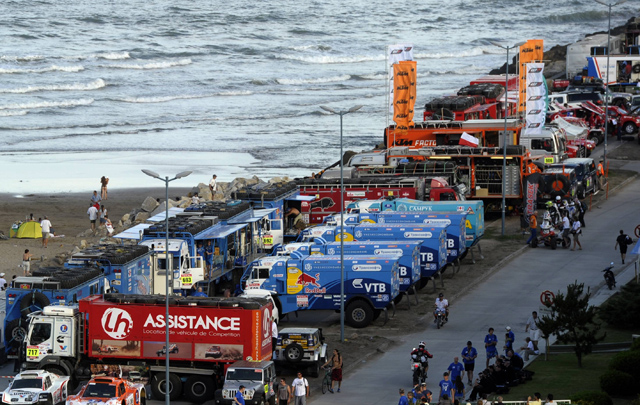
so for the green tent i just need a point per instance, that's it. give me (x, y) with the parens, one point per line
(30, 230)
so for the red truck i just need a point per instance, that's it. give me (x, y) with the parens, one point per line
(63, 341)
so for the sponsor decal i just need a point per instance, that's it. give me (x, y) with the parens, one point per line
(366, 267)
(117, 323)
(414, 235)
(64, 328)
(193, 322)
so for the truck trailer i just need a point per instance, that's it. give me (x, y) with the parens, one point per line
(206, 334)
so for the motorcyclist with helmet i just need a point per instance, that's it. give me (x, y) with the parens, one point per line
(421, 355)
(441, 304)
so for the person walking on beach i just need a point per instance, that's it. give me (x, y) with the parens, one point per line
(46, 231)
(103, 187)
(93, 216)
(623, 240)
(26, 262)
(95, 199)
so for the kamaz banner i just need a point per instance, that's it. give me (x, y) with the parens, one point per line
(531, 51)
(536, 98)
(530, 194)
(396, 54)
(404, 96)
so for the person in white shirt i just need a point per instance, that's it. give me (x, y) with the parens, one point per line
(442, 304)
(300, 390)
(529, 349)
(213, 186)
(93, 216)
(46, 231)
(274, 336)
(3, 282)
(576, 230)
(566, 227)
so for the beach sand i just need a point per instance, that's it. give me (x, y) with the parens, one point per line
(68, 215)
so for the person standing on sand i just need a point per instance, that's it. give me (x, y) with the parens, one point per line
(26, 262)
(103, 214)
(46, 229)
(103, 188)
(213, 186)
(93, 216)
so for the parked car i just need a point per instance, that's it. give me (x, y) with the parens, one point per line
(585, 169)
(37, 387)
(258, 378)
(576, 97)
(629, 122)
(301, 347)
(107, 390)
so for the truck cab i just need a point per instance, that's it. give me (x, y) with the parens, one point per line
(548, 146)
(186, 270)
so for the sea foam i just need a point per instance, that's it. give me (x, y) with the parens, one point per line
(47, 104)
(94, 85)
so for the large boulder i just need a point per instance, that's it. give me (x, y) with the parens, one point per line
(149, 204)
(125, 218)
(140, 217)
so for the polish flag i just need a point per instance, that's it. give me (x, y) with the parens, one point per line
(468, 140)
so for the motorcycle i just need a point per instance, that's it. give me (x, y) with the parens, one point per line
(549, 235)
(418, 367)
(441, 317)
(609, 277)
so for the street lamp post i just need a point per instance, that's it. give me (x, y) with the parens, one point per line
(606, 99)
(166, 181)
(504, 143)
(341, 114)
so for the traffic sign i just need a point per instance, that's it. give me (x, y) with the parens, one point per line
(547, 297)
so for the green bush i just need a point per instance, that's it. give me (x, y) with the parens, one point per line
(627, 362)
(618, 383)
(591, 398)
(621, 310)
(635, 345)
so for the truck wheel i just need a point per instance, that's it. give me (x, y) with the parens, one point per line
(293, 353)
(158, 386)
(35, 299)
(359, 314)
(199, 388)
(55, 370)
(629, 128)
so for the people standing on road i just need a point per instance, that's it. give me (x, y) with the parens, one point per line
(533, 226)
(93, 216)
(510, 337)
(446, 386)
(623, 240)
(336, 369)
(45, 224)
(274, 336)
(581, 209)
(455, 369)
(403, 399)
(600, 174)
(490, 343)
(301, 390)
(284, 392)
(411, 399)
(103, 187)
(566, 227)
(532, 328)
(469, 355)
(576, 231)
(239, 398)
(26, 262)
(528, 349)
(458, 387)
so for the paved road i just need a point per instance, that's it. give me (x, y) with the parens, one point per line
(505, 298)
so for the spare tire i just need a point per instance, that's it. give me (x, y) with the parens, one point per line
(557, 185)
(34, 299)
(16, 332)
(294, 353)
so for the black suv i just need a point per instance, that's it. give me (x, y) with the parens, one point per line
(585, 169)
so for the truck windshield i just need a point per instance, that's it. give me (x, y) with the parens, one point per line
(40, 333)
(100, 391)
(250, 374)
(542, 144)
(260, 273)
(27, 383)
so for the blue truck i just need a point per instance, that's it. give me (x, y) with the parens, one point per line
(409, 252)
(433, 251)
(300, 282)
(455, 224)
(47, 285)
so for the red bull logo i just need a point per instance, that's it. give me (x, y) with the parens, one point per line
(307, 279)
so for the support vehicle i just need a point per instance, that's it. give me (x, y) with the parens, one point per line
(301, 348)
(63, 341)
(257, 377)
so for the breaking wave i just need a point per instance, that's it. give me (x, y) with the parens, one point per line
(47, 104)
(332, 59)
(94, 85)
(12, 113)
(153, 65)
(340, 78)
(26, 58)
(51, 68)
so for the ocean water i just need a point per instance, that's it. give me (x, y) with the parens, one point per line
(108, 88)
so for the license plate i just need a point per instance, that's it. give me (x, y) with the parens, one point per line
(187, 280)
(267, 241)
(33, 352)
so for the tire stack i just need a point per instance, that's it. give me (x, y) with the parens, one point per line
(112, 254)
(486, 90)
(179, 225)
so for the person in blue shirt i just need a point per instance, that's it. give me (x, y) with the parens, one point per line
(208, 255)
(239, 399)
(455, 369)
(200, 250)
(469, 355)
(403, 399)
(509, 338)
(446, 385)
(490, 343)
(199, 293)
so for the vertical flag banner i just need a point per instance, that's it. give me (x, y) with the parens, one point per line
(396, 54)
(404, 95)
(536, 98)
(531, 51)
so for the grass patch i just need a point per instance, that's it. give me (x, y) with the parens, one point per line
(495, 234)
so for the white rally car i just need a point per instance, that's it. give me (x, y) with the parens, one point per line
(36, 387)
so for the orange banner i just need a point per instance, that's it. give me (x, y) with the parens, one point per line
(404, 95)
(531, 51)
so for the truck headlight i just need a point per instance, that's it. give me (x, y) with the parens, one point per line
(248, 394)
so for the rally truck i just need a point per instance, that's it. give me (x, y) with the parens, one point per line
(36, 387)
(110, 391)
(300, 282)
(67, 340)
